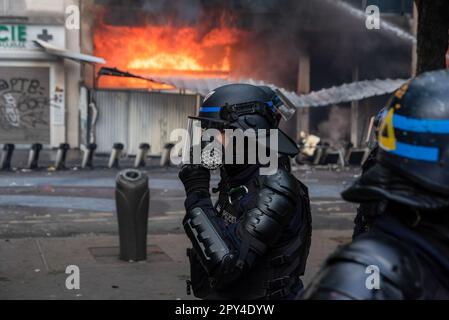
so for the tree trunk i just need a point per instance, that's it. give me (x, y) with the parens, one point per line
(433, 26)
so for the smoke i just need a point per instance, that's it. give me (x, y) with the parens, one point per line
(180, 11)
(385, 26)
(337, 127)
(334, 34)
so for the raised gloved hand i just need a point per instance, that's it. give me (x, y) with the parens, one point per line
(195, 178)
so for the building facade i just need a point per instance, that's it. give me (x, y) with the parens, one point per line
(38, 91)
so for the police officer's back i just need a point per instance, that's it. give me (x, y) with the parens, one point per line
(407, 246)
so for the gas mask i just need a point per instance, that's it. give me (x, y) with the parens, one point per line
(204, 145)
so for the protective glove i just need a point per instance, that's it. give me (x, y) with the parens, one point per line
(195, 179)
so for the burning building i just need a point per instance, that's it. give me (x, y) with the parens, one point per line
(300, 46)
(163, 56)
(165, 50)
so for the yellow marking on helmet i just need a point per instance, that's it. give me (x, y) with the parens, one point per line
(401, 91)
(387, 139)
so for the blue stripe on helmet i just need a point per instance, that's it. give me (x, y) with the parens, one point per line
(210, 109)
(270, 104)
(409, 151)
(420, 125)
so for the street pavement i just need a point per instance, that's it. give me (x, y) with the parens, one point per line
(52, 219)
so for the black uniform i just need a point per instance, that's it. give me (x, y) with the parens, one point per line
(254, 242)
(413, 261)
(407, 245)
(254, 246)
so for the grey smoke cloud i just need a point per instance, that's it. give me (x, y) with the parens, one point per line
(186, 11)
(277, 31)
(336, 128)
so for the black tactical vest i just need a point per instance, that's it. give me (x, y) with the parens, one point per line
(274, 275)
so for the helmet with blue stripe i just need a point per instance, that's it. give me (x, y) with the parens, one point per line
(414, 137)
(246, 106)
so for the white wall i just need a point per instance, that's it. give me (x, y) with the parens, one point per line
(57, 128)
(65, 74)
(72, 83)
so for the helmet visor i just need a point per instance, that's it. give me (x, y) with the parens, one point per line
(284, 109)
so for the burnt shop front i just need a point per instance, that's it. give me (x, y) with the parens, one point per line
(32, 108)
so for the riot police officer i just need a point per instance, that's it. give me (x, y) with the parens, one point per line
(405, 254)
(254, 242)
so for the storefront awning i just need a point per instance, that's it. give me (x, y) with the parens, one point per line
(339, 94)
(344, 93)
(61, 52)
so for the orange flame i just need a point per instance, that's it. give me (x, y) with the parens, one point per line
(164, 50)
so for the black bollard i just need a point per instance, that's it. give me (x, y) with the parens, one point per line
(165, 157)
(5, 159)
(88, 156)
(132, 199)
(117, 149)
(33, 157)
(141, 155)
(61, 156)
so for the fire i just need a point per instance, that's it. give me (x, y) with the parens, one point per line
(153, 50)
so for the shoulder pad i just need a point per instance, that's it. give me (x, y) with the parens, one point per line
(284, 183)
(396, 263)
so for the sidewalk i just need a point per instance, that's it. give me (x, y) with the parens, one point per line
(34, 268)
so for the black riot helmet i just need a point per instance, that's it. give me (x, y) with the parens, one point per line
(245, 106)
(413, 157)
(378, 120)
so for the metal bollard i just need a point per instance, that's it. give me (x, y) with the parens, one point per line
(132, 198)
(33, 156)
(165, 157)
(61, 156)
(141, 155)
(117, 149)
(88, 156)
(5, 159)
